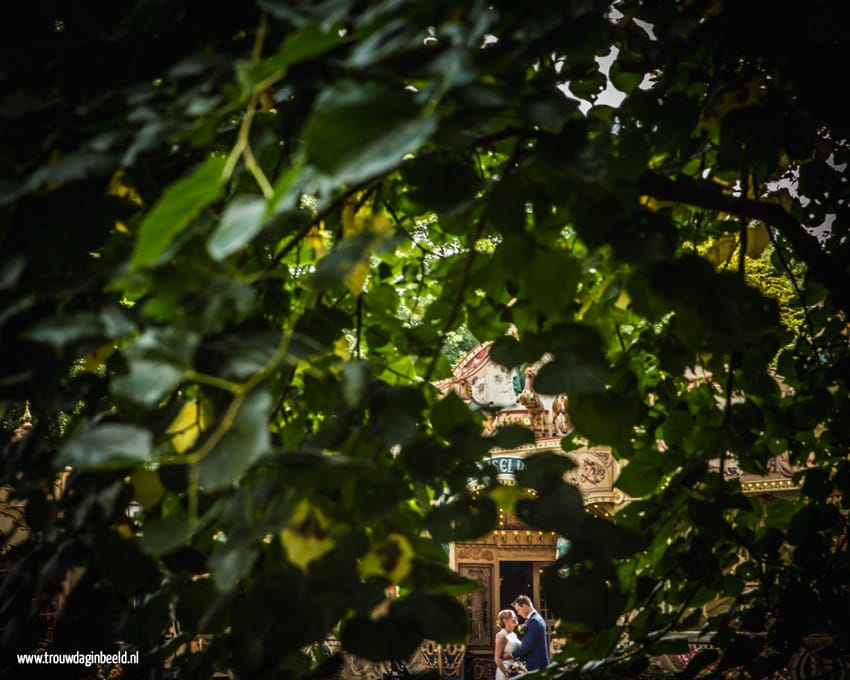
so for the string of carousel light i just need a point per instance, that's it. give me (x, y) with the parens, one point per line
(517, 534)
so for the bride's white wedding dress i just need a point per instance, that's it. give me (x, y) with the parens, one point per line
(511, 646)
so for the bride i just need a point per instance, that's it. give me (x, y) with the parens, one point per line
(506, 641)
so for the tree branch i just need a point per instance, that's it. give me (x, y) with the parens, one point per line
(821, 267)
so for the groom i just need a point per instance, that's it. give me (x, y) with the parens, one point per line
(534, 649)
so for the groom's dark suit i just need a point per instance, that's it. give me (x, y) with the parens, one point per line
(534, 649)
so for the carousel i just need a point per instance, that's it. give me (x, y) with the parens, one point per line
(510, 560)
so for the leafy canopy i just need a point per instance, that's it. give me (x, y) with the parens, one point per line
(236, 238)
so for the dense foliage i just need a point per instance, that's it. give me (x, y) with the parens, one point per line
(236, 237)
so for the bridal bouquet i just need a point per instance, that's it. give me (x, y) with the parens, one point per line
(516, 668)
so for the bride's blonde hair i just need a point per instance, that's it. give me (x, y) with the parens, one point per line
(505, 614)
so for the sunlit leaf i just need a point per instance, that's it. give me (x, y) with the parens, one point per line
(391, 558)
(758, 238)
(306, 536)
(187, 425)
(506, 496)
(179, 204)
(147, 488)
(96, 359)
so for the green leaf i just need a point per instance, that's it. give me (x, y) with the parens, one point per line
(560, 510)
(318, 329)
(382, 299)
(386, 40)
(309, 42)
(171, 344)
(640, 477)
(623, 80)
(149, 615)
(676, 427)
(544, 470)
(729, 314)
(580, 365)
(449, 414)
(590, 598)
(106, 446)
(325, 471)
(589, 87)
(347, 254)
(552, 276)
(441, 182)
(122, 563)
(506, 206)
(360, 130)
(147, 487)
(758, 238)
(179, 204)
(462, 519)
(817, 484)
(550, 110)
(387, 637)
(10, 271)
(194, 602)
(779, 513)
(611, 540)
(356, 380)
(606, 418)
(441, 617)
(66, 168)
(512, 436)
(60, 330)
(162, 535)
(742, 649)
(286, 187)
(242, 221)
(147, 382)
(430, 575)
(231, 562)
(244, 443)
(116, 321)
(671, 645)
(510, 352)
(701, 660)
